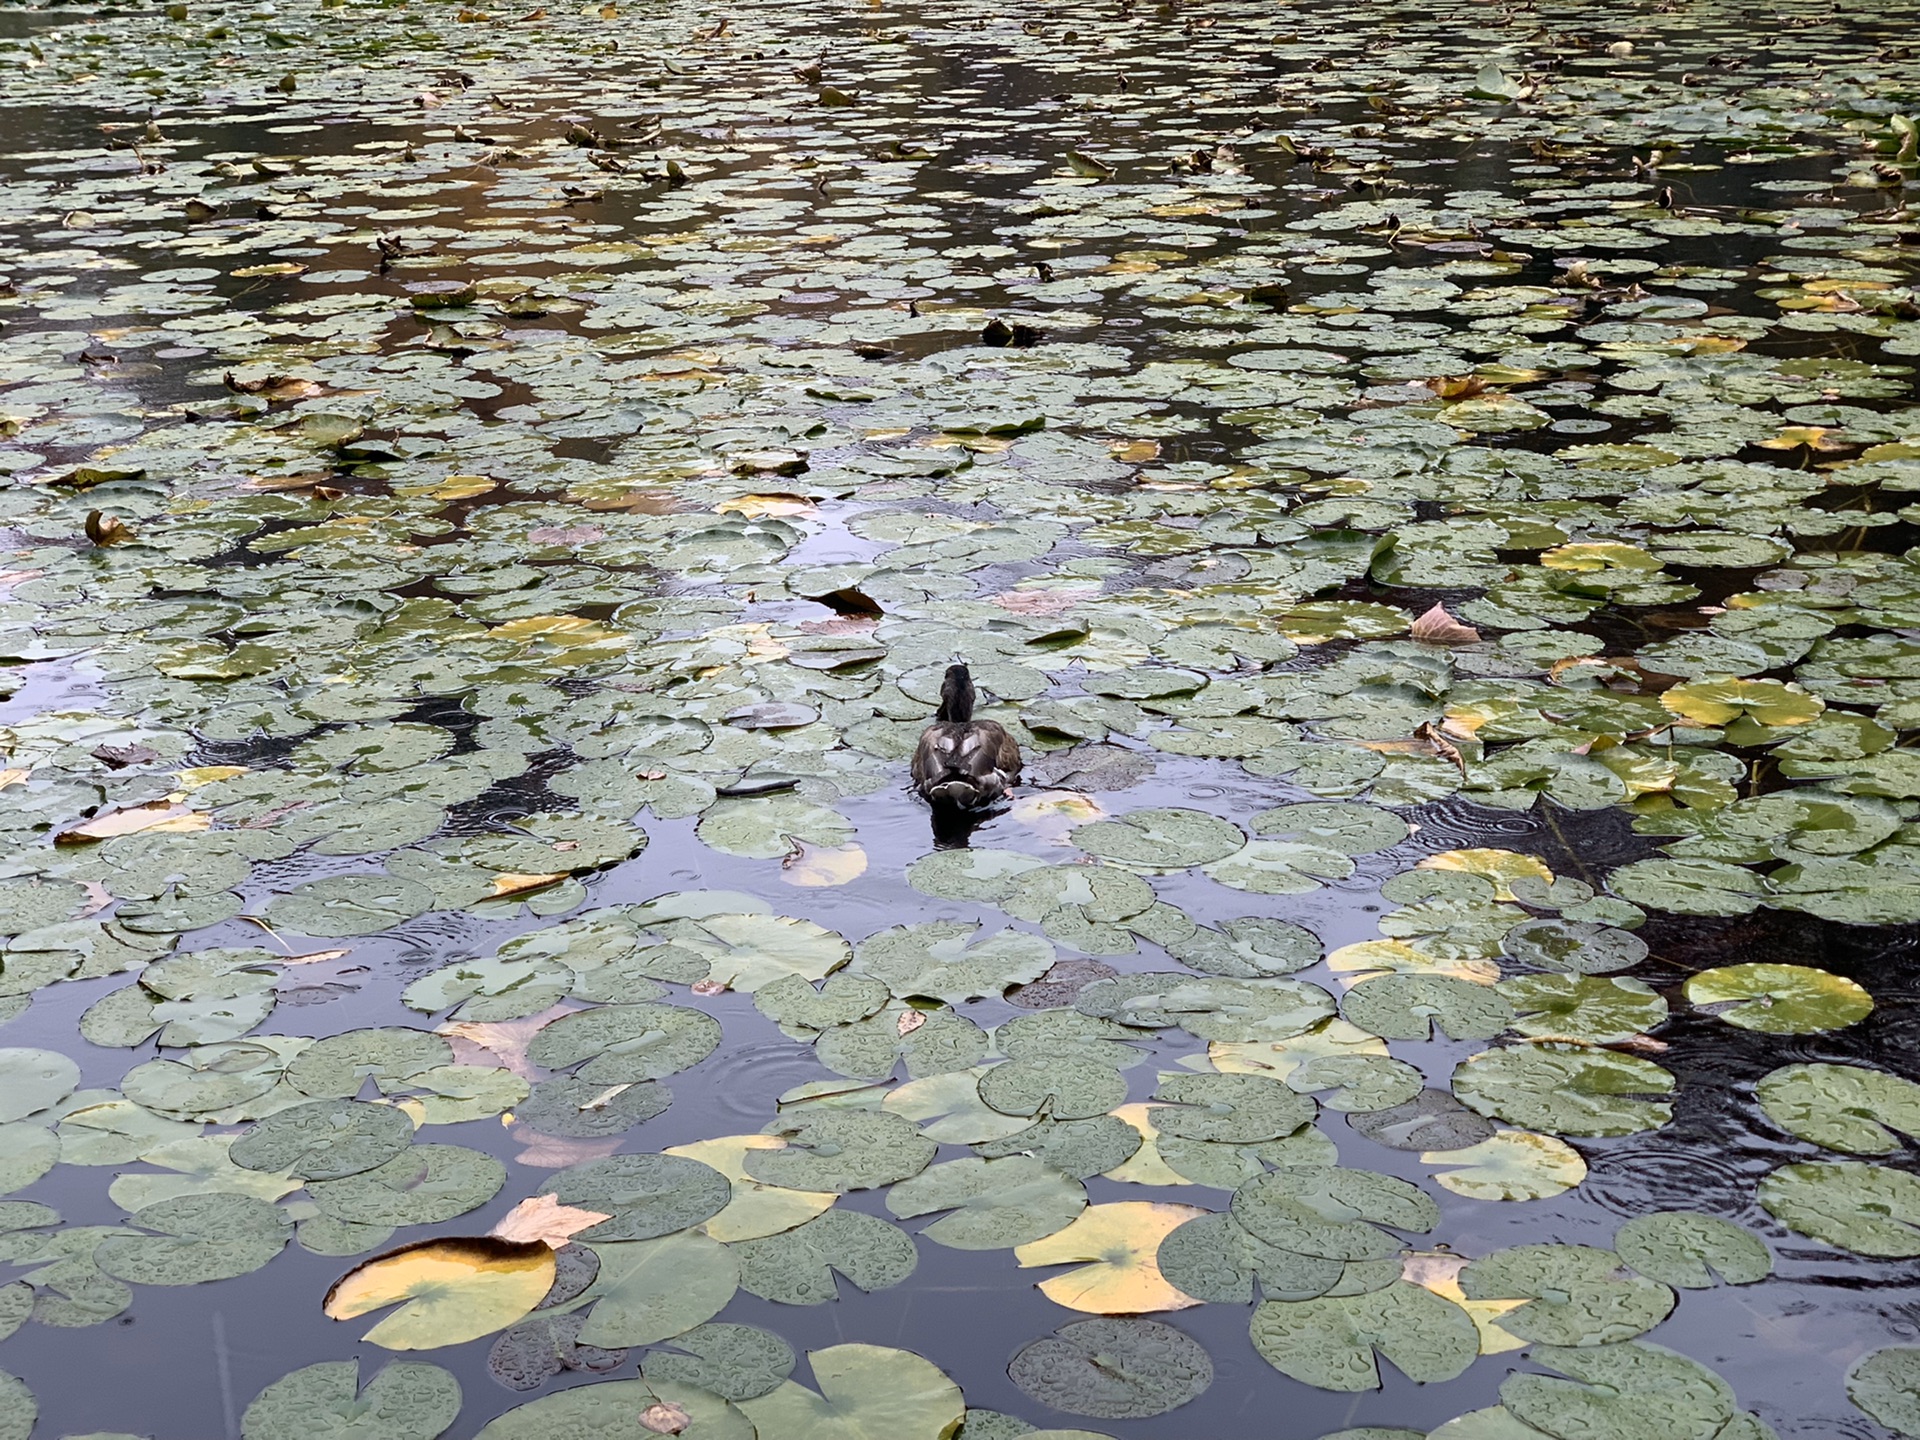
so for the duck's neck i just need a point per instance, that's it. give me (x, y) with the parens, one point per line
(956, 702)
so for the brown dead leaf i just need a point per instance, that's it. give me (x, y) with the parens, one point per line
(14, 775)
(708, 987)
(104, 529)
(500, 1042)
(316, 957)
(1456, 387)
(551, 1152)
(663, 1417)
(155, 815)
(910, 1021)
(507, 883)
(1049, 601)
(304, 481)
(544, 1218)
(1437, 627)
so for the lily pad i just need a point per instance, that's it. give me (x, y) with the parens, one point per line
(1566, 1090)
(1780, 999)
(1574, 1294)
(1691, 1251)
(402, 1401)
(867, 1392)
(422, 1185)
(797, 1267)
(1631, 1391)
(1331, 1341)
(1886, 1384)
(195, 1239)
(651, 1290)
(1161, 841)
(1868, 1209)
(324, 1140)
(644, 1196)
(1842, 1107)
(1113, 1369)
(993, 1204)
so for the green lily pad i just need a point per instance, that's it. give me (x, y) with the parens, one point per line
(1161, 841)
(994, 1204)
(196, 1238)
(625, 1044)
(1331, 1341)
(867, 1392)
(1237, 1109)
(1886, 1384)
(1056, 1089)
(580, 1109)
(1248, 948)
(33, 1080)
(404, 1400)
(344, 905)
(422, 1185)
(1575, 1294)
(527, 1355)
(613, 1410)
(1780, 999)
(18, 1409)
(1631, 1391)
(1868, 1209)
(644, 1196)
(1333, 1213)
(324, 1140)
(652, 1290)
(1599, 1009)
(1217, 1259)
(1209, 1007)
(841, 1151)
(1566, 1090)
(1579, 947)
(1113, 1369)
(936, 961)
(1080, 1148)
(735, 1362)
(1411, 1007)
(339, 1066)
(797, 1267)
(1842, 1107)
(1694, 1252)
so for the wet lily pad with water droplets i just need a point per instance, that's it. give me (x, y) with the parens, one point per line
(942, 960)
(1161, 841)
(422, 1185)
(1566, 1090)
(643, 1196)
(1842, 1107)
(1574, 946)
(1331, 1341)
(1335, 1213)
(1509, 1165)
(1631, 1391)
(1694, 1252)
(1113, 1369)
(1886, 1384)
(1575, 1294)
(401, 1401)
(613, 1410)
(1411, 1007)
(1869, 1209)
(993, 1204)
(841, 1151)
(625, 1044)
(735, 1362)
(1598, 1009)
(1064, 1088)
(324, 1139)
(1780, 999)
(346, 905)
(195, 1239)
(32, 1080)
(1215, 1258)
(797, 1266)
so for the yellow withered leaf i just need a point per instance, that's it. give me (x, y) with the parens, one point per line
(1115, 1249)
(1439, 1271)
(756, 1209)
(1501, 867)
(545, 1219)
(449, 1291)
(155, 815)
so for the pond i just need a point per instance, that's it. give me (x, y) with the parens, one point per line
(489, 497)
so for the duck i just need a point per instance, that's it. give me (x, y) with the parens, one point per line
(963, 763)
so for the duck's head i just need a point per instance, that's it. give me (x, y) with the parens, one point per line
(956, 695)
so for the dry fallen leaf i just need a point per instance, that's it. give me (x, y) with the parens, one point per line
(13, 776)
(1437, 627)
(663, 1417)
(544, 1218)
(910, 1021)
(500, 1042)
(551, 1152)
(708, 987)
(315, 957)
(155, 815)
(507, 883)
(820, 865)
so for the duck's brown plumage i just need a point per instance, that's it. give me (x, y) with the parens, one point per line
(961, 761)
